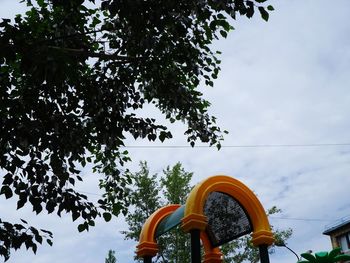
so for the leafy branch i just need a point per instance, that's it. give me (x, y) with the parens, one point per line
(13, 236)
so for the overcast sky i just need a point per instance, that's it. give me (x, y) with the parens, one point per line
(284, 82)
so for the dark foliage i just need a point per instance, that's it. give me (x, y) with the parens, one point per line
(71, 78)
(15, 235)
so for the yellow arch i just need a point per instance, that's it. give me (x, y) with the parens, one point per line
(194, 217)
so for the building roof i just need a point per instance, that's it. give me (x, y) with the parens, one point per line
(341, 223)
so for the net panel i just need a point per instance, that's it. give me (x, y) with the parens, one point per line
(227, 220)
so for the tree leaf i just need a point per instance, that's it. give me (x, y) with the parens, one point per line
(49, 241)
(81, 227)
(264, 13)
(107, 216)
(21, 202)
(6, 190)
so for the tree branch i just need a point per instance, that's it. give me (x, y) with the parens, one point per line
(74, 35)
(101, 55)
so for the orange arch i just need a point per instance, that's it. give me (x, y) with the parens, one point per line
(148, 245)
(194, 217)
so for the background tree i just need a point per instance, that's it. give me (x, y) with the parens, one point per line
(73, 74)
(175, 185)
(144, 198)
(148, 194)
(111, 257)
(174, 245)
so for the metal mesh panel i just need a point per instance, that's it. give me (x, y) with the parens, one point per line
(227, 220)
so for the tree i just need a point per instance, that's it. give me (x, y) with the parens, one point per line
(71, 79)
(144, 198)
(149, 194)
(175, 184)
(111, 257)
(174, 245)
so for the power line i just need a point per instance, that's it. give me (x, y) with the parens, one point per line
(272, 217)
(302, 219)
(239, 146)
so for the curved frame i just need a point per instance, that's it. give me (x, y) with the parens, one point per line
(148, 247)
(147, 243)
(194, 217)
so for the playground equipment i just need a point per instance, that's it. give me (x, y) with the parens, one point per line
(217, 210)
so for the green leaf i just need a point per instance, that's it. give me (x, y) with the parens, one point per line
(107, 216)
(21, 202)
(95, 22)
(270, 8)
(342, 258)
(117, 207)
(50, 206)
(7, 179)
(322, 257)
(334, 252)
(40, 2)
(264, 14)
(49, 241)
(34, 248)
(75, 215)
(223, 33)
(81, 227)
(39, 239)
(311, 258)
(6, 190)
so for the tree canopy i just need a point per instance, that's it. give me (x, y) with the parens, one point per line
(73, 75)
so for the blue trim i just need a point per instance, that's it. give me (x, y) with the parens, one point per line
(170, 221)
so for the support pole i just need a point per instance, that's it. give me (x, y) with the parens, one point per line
(195, 246)
(264, 254)
(147, 259)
